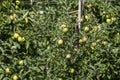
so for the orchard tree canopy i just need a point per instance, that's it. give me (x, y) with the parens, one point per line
(38, 41)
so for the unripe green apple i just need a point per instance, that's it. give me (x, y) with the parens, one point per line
(17, 2)
(87, 17)
(15, 35)
(21, 39)
(26, 20)
(107, 16)
(104, 42)
(86, 29)
(84, 39)
(60, 79)
(60, 41)
(72, 70)
(16, 7)
(20, 62)
(65, 29)
(7, 70)
(15, 77)
(108, 20)
(68, 56)
(93, 44)
(114, 19)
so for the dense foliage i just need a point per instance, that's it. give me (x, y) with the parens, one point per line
(39, 41)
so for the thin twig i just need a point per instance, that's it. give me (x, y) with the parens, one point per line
(71, 12)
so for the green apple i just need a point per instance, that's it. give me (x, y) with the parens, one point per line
(108, 20)
(87, 17)
(26, 20)
(7, 70)
(15, 35)
(65, 29)
(68, 56)
(72, 70)
(60, 41)
(114, 19)
(20, 62)
(84, 39)
(107, 16)
(93, 44)
(86, 29)
(17, 2)
(60, 79)
(21, 39)
(15, 77)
